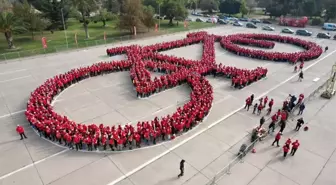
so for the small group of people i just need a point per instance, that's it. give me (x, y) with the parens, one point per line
(257, 108)
(287, 146)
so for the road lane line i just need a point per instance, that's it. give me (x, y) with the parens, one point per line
(13, 79)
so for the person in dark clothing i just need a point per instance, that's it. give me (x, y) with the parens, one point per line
(299, 123)
(300, 76)
(252, 98)
(282, 126)
(255, 108)
(326, 49)
(181, 168)
(301, 108)
(262, 121)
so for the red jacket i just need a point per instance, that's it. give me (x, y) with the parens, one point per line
(20, 129)
(278, 136)
(285, 149)
(296, 145)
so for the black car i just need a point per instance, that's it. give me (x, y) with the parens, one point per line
(200, 20)
(334, 37)
(304, 32)
(251, 25)
(266, 22)
(323, 35)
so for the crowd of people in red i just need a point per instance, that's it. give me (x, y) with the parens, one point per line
(139, 61)
(312, 50)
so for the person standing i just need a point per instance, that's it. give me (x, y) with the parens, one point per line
(299, 123)
(288, 142)
(295, 146)
(300, 76)
(301, 108)
(285, 150)
(247, 103)
(20, 131)
(277, 139)
(255, 108)
(262, 121)
(181, 168)
(252, 98)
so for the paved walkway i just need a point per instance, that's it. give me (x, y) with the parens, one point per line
(111, 99)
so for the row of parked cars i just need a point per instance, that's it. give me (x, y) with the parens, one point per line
(301, 32)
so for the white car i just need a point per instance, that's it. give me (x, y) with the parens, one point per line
(212, 20)
(237, 24)
(268, 28)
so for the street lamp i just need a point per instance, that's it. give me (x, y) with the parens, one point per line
(65, 33)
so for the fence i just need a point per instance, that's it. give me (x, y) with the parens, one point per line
(85, 44)
(240, 156)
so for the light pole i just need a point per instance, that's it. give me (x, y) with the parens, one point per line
(65, 33)
(159, 16)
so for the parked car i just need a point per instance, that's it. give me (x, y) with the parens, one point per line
(206, 15)
(188, 19)
(323, 35)
(200, 20)
(304, 32)
(212, 20)
(329, 26)
(268, 28)
(237, 24)
(334, 37)
(222, 21)
(243, 19)
(251, 25)
(287, 30)
(266, 22)
(255, 21)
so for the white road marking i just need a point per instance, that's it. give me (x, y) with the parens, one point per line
(32, 164)
(15, 71)
(22, 77)
(11, 114)
(210, 126)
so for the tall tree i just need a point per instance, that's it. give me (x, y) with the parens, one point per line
(10, 24)
(148, 16)
(251, 4)
(174, 9)
(31, 18)
(131, 15)
(85, 8)
(229, 7)
(209, 5)
(330, 10)
(5, 5)
(112, 6)
(52, 10)
(243, 8)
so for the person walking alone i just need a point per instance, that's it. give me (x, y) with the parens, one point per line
(301, 108)
(295, 146)
(262, 121)
(277, 139)
(299, 123)
(181, 168)
(300, 76)
(20, 131)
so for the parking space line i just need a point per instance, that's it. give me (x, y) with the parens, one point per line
(15, 71)
(13, 79)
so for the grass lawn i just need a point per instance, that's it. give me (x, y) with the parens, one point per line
(57, 42)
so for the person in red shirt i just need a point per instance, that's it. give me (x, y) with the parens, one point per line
(295, 146)
(248, 103)
(288, 142)
(20, 131)
(111, 143)
(277, 139)
(285, 150)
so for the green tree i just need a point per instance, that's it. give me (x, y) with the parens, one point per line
(112, 6)
(148, 17)
(32, 19)
(104, 16)
(52, 10)
(174, 9)
(131, 15)
(10, 24)
(243, 8)
(330, 10)
(85, 8)
(229, 7)
(208, 5)
(5, 5)
(152, 3)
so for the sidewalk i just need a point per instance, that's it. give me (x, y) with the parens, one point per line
(313, 164)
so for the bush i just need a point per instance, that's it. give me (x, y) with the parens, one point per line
(317, 21)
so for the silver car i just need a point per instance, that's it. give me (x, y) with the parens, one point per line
(268, 28)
